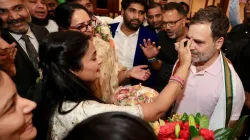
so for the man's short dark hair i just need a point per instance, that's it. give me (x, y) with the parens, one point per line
(154, 5)
(126, 3)
(185, 5)
(174, 6)
(219, 21)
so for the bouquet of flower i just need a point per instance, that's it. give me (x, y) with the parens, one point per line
(180, 126)
(190, 127)
(133, 95)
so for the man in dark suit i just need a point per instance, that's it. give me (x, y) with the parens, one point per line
(175, 29)
(129, 34)
(237, 50)
(17, 28)
(154, 17)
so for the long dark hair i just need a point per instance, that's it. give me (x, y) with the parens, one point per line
(112, 126)
(64, 13)
(60, 53)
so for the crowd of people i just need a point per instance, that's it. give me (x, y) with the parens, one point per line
(58, 75)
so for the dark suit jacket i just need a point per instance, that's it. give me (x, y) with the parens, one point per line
(150, 28)
(26, 74)
(140, 58)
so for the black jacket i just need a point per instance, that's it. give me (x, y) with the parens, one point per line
(237, 49)
(26, 74)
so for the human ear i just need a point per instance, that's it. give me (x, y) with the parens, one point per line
(122, 12)
(76, 73)
(219, 42)
(184, 22)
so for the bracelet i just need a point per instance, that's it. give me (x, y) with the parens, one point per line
(176, 83)
(178, 80)
(152, 59)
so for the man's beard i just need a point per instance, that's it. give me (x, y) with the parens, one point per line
(17, 30)
(157, 27)
(129, 24)
(41, 22)
(203, 57)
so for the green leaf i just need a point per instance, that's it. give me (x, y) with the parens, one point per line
(162, 123)
(151, 124)
(193, 131)
(221, 134)
(198, 138)
(204, 122)
(191, 120)
(169, 119)
(197, 118)
(233, 133)
(184, 117)
(177, 130)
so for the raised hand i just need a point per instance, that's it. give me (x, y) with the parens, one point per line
(139, 72)
(149, 49)
(184, 53)
(7, 57)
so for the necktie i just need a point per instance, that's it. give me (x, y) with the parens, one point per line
(33, 55)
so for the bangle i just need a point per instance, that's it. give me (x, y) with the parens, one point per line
(152, 59)
(178, 80)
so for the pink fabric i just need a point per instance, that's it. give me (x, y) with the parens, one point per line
(202, 90)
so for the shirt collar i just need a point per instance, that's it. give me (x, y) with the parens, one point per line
(119, 31)
(18, 36)
(213, 69)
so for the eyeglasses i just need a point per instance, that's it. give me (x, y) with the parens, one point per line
(84, 27)
(171, 23)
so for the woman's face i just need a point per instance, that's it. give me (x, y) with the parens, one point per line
(91, 65)
(15, 112)
(81, 22)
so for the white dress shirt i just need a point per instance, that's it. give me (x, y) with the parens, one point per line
(52, 26)
(32, 38)
(125, 46)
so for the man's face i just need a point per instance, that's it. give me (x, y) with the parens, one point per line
(154, 17)
(37, 8)
(51, 5)
(87, 4)
(174, 23)
(247, 10)
(15, 16)
(203, 47)
(133, 16)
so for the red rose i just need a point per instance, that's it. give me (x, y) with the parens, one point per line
(180, 123)
(197, 126)
(184, 134)
(207, 134)
(185, 126)
(167, 130)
